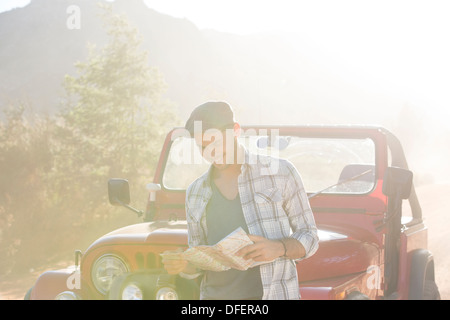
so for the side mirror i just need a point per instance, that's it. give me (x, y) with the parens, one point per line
(118, 192)
(397, 182)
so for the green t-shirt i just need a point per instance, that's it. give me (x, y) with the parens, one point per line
(223, 216)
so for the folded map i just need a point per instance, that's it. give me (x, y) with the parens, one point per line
(219, 257)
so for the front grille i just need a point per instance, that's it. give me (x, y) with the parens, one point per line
(149, 262)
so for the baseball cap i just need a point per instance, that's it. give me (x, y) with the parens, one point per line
(212, 114)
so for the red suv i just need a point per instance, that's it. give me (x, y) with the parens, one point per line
(357, 179)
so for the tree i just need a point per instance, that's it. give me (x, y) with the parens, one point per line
(112, 125)
(115, 110)
(25, 160)
(55, 169)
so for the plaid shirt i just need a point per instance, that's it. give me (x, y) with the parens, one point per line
(275, 205)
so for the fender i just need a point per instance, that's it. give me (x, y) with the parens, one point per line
(422, 268)
(52, 283)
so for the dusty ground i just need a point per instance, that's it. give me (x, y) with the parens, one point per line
(435, 207)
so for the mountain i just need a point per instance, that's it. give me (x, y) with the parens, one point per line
(263, 76)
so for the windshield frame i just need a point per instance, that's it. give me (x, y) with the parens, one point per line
(373, 133)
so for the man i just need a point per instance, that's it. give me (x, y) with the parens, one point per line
(244, 190)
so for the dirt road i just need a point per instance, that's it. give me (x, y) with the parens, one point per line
(435, 203)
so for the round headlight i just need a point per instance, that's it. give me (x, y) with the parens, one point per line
(166, 293)
(105, 269)
(132, 292)
(67, 295)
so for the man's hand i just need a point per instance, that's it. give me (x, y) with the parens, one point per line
(262, 249)
(175, 266)
(173, 261)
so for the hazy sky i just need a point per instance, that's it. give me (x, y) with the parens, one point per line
(402, 44)
(6, 5)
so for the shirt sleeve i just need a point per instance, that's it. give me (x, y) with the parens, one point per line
(194, 233)
(298, 209)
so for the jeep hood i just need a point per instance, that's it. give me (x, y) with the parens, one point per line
(163, 232)
(338, 254)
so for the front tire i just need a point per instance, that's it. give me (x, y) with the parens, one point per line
(356, 295)
(431, 291)
(28, 294)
